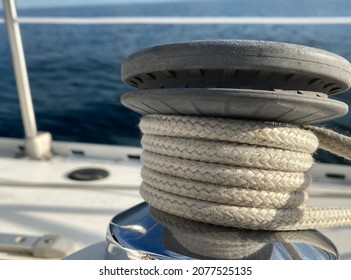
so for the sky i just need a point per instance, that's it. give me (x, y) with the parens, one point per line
(56, 3)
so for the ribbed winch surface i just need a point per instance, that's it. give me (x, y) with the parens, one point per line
(231, 170)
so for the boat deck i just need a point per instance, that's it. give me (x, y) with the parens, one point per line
(37, 197)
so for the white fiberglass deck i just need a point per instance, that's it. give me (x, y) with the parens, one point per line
(37, 198)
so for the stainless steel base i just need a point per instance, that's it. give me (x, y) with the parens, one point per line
(143, 232)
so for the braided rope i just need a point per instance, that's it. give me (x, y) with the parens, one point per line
(237, 173)
(216, 242)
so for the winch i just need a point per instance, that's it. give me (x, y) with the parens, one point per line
(227, 145)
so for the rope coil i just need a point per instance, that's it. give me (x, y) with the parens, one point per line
(237, 173)
(210, 241)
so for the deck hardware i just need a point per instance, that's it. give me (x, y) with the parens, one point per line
(234, 81)
(88, 174)
(78, 153)
(335, 176)
(43, 247)
(166, 236)
(38, 144)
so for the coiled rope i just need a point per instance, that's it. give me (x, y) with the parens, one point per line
(237, 173)
(210, 241)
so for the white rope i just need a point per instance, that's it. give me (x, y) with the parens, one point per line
(237, 173)
(216, 242)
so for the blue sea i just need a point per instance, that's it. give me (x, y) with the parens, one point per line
(74, 70)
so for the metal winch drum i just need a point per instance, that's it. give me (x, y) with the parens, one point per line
(253, 80)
